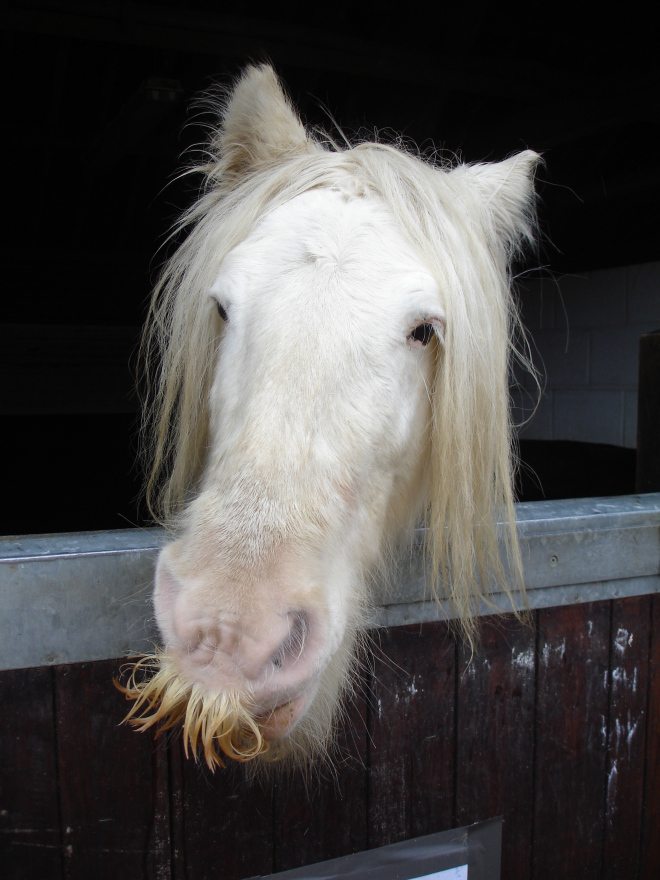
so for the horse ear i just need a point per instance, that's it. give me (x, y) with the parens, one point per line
(259, 125)
(505, 191)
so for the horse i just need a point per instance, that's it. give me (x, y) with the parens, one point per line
(330, 348)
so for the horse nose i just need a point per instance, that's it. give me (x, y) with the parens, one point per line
(263, 650)
(264, 647)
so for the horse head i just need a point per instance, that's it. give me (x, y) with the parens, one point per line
(332, 339)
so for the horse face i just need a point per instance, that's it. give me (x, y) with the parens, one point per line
(319, 411)
(337, 412)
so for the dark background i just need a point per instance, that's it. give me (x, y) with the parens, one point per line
(94, 125)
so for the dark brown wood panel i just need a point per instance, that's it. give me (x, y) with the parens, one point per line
(562, 740)
(626, 737)
(223, 821)
(571, 741)
(432, 670)
(411, 748)
(495, 737)
(30, 843)
(324, 814)
(113, 782)
(650, 853)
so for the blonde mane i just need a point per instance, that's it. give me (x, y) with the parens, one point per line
(467, 248)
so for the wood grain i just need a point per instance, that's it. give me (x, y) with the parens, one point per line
(223, 821)
(495, 737)
(564, 741)
(626, 737)
(113, 782)
(30, 839)
(650, 853)
(411, 748)
(325, 815)
(571, 741)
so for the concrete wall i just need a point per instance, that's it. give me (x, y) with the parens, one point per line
(584, 331)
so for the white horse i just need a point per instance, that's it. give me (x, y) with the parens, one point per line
(333, 339)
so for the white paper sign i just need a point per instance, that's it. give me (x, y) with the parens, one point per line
(459, 873)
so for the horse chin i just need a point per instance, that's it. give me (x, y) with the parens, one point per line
(280, 722)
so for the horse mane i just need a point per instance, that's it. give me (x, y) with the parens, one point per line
(466, 235)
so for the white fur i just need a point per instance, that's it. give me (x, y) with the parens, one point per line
(301, 440)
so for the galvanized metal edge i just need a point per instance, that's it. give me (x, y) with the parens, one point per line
(87, 596)
(431, 610)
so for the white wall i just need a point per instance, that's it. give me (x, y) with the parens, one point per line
(584, 330)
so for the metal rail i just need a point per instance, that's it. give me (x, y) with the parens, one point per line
(87, 596)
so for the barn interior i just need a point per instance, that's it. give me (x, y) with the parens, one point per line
(96, 121)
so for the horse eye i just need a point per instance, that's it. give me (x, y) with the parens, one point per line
(222, 311)
(423, 333)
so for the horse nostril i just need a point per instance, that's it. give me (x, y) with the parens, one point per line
(202, 644)
(276, 646)
(293, 646)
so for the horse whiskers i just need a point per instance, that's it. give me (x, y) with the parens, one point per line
(213, 724)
